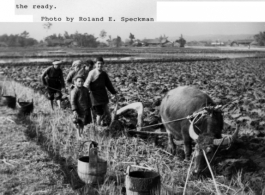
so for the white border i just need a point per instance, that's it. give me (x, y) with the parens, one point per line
(211, 11)
(177, 11)
(7, 13)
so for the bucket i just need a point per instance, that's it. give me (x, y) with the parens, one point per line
(25, 108)
(9, 101)
(91, 169)
(142, 182)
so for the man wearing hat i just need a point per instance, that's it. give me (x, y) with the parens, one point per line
(52, 78)
(97, 82)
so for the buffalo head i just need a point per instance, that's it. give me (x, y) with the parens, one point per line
(210, 124)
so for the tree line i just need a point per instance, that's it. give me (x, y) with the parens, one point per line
(87, 40)
(78, 39)
(260, 38)
(18, 40)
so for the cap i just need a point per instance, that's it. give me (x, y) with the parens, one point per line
(57, 62)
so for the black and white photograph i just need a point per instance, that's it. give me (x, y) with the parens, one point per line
(132, 108)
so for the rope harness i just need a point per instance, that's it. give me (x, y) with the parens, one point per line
(189, 117)
(217, 190)
(188, 174)
(214, 154)
(194, 121)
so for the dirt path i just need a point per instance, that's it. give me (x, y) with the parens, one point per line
(24, 167)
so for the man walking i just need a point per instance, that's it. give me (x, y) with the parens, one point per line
(52, 78)
(97, 82)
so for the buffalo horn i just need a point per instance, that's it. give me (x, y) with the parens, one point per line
(192, 133)
(228, 139)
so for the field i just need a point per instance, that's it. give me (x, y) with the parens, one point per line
(238, 84)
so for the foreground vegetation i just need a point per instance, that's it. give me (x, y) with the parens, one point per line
(25, 168)
(238, 84)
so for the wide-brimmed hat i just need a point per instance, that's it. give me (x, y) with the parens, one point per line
(55, 62)
(76, 63)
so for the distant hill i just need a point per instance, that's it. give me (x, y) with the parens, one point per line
(213, 37)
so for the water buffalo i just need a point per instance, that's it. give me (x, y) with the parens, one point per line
(182, 102)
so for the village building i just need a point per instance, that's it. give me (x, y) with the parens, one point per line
(242, 43)
(217, 43)
(126, 43)
(137, 44)
(59, 42)
(198, 43)
(169, 44)
(155, 42)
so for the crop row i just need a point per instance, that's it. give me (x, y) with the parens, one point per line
(132, 60)
(73, 55)
(237, 83)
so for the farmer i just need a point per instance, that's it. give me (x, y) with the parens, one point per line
(77, 65)
(97, 82)
(80, 104)
(52, 78)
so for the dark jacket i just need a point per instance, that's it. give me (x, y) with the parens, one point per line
(53, 77)
(98, 90)
(80, 101)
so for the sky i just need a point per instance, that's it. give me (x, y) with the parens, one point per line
(140, 30)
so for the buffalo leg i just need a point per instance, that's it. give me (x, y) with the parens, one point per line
(59, 103)
(171, 147)
(51, 101)
(187, 147)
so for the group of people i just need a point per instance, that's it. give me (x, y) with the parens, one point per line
(87, 86)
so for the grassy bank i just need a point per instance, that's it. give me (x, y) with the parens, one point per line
(25, 168)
